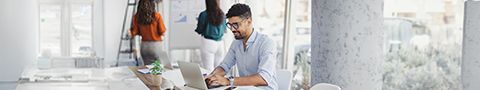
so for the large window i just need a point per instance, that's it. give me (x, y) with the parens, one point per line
(50, 29)
(288, 23)
(269, 17)
(81, 35)
(423, 45)
(65, 28)
(300, 43)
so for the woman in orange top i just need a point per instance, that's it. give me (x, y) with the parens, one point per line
(149, 24)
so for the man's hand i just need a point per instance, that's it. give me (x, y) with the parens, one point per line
(215, 80)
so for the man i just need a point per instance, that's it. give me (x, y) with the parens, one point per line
(253, 53)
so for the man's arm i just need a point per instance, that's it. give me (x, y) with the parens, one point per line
(268, 62)
(266, 67)
(225, 66)
(218, 71)
(266, 70)
(252, 80)
(217, 74)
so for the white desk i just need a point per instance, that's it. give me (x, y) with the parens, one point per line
(176, 77)
(119, 78)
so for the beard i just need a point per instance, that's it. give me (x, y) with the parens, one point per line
(238, 35)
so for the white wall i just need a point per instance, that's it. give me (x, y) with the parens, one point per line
(113, 19)
(98, 28)
(18, 37)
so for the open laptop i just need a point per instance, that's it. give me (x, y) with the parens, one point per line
(192, 76)
(165, 60)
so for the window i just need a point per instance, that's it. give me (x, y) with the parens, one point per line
(424, 43)
(50, 29)
(269, 18)
(300, 39)
(65, 28)
(81, 35)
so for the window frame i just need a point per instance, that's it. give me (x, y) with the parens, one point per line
(66, 23)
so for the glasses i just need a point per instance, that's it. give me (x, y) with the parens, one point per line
(234, 26)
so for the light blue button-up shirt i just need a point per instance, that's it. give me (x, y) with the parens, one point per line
(258, 57)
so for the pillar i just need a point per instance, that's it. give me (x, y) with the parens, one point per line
(347, 43)
(471, 46)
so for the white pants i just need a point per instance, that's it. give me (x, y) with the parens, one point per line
(212, 53)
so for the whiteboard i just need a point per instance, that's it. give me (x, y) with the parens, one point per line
(183, 21)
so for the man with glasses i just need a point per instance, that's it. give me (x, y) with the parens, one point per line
(254, 54)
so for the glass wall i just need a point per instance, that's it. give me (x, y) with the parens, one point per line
(269, 18)
(300, 40)
(423, 44)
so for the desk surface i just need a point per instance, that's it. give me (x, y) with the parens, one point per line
(118, 78)
(142, 78)
(175, 76)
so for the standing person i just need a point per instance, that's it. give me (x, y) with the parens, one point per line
(211, 25)
(149, 24)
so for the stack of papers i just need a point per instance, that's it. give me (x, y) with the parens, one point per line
(144, 71)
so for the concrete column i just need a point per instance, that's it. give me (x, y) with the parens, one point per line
(347, 43)
(471, 47)
(18, 39)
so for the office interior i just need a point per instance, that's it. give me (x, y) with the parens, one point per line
(321, 44)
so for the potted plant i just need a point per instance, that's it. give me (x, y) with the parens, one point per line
(154, 79)
(157, 68)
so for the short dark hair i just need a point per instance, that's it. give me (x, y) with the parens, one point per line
(241, 10)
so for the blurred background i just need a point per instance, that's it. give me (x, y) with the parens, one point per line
(84, 34)
(75, 40)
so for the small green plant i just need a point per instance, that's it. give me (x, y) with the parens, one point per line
(157, 68)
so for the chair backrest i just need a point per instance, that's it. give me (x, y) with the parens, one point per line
(325, 86)
(284, 78)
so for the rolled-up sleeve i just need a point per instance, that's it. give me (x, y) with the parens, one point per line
(229, 59)
(201, 24)
(134, 30)
(267, 64)
(161, 26)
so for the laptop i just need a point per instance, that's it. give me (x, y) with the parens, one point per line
(192, 76)
(165, 60)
